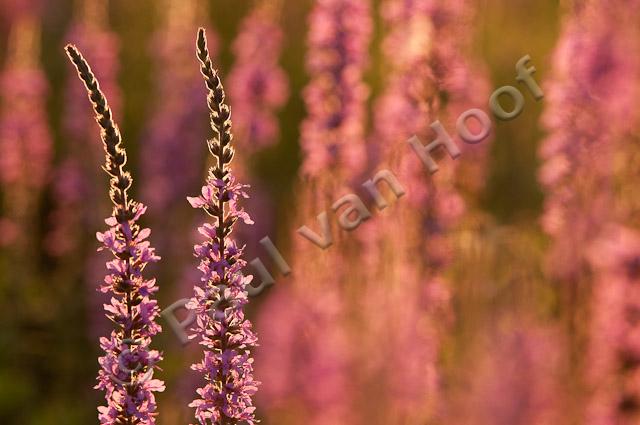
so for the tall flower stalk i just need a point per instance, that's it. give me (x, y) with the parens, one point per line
(221, 327)
(127, 367)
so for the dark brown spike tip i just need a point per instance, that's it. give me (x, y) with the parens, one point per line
(202, 50)
(84, 72)
(76, 58)
(116, 157)
(71, 50)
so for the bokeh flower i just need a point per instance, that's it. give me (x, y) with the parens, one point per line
(338, 40)
(26, 145)
(258, 86)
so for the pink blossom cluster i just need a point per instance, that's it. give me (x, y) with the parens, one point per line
(221, 327)
(127, 367)
(26, 141)
(258, 86)
(402, 110)
(26, 146)
(462, 82)
(428, 75)
(591, 119)
(304, 340)
(335, 98)
(590, 108)
(309, 326)
(614, 350)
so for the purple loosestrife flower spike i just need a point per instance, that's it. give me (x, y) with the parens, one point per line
(613, 354)
(221, 327)
(590, 109)
(258, 86)
(128, 364)
(332, 135)
(314, 369)
(25, 139)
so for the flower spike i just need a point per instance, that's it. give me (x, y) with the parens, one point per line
(221, 327)
(127, 367)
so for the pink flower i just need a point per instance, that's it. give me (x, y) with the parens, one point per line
(221, 328)
(614, 352)
(338, 42)
(258, 86)
(25, 140)
(128, 363)
(590, 111)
